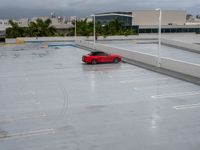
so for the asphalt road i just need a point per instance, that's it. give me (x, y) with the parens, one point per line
(50, 100)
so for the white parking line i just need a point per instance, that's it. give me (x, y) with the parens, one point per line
(176, 95)
(27, 93)
(11, 119)
(27, 134)
(110, 76)
(37, 102)
(143, 80)
(129, 70)
(187, 106)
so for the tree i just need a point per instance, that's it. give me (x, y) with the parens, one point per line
(14, 31)
(38, 28)
(41, 28)
(84, 28)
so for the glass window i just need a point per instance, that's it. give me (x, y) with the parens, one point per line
(102, 54)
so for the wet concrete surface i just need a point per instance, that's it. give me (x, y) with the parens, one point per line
(169, 52)
(50, 100)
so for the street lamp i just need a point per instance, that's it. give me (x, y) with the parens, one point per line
(74, 27)
(159, 35)
(110, 14)
(94, 29)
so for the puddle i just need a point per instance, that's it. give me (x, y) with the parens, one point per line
(96, 107)
(3, 134)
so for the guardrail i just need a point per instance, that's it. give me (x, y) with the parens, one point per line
(181, 45)
(178, 66)
(181, 67)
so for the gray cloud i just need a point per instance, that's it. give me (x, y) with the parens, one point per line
(86, 7)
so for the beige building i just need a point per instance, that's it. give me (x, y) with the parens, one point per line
(4, 23)
(23, 22)
(42, 18)
(150, 17)
(146, 21)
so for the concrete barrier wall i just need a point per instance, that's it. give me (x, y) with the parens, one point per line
(90, 38)
(11, 41)
(181, 45)
(177, 44)
(181, 67)
(166, 63)
(47, 39)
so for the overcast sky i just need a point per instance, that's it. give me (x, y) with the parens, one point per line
(28, 8)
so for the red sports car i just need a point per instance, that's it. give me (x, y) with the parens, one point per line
(101, 57)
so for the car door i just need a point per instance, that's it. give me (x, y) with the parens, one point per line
(109, 58)
(103, 57)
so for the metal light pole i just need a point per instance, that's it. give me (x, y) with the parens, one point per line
(159, 36)
(74, 28)
(94, 29)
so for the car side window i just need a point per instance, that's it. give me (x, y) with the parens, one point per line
(98, 54)
(93, 54)
(102, 54)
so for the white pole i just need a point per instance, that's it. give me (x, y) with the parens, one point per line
(94, 30)
(159, 37)
(75, 29)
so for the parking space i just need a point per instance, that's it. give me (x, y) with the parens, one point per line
(50, 100)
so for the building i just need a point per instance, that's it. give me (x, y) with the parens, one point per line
(88, 19)
(124, 17)
(53, 15)
(23, 22)
(59, 23)
(33, 19)
(63, 29)
(2, 36)
(150, 17)
(146, 21)
(4, 24)
(54, 20)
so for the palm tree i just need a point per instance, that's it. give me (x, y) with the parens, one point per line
(50, 29)
(84, 28)
(32, 29)
(41, 28)
(14, 31)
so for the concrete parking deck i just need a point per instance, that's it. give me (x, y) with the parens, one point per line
(50, 100)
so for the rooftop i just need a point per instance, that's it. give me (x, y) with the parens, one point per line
(49, 99)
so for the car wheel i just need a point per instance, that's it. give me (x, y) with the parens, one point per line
(116, 60)
(94, 62)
